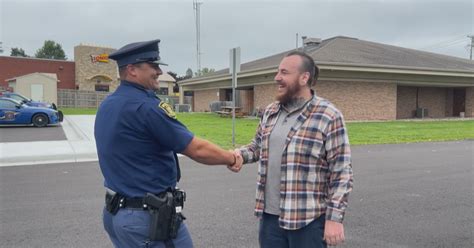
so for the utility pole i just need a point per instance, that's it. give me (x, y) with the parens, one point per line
(472, 45)
(296, 41)
(197, 14)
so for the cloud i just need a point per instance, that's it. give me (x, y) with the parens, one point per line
(260, 28)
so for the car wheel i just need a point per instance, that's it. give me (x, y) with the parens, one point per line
(40, 120)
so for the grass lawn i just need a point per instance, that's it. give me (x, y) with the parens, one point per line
(219, 130)
(409, 131)
(79, 111)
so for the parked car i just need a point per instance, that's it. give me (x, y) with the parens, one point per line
(30, 102)
(13, 112)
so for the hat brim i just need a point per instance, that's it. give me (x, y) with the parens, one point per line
(158, 62)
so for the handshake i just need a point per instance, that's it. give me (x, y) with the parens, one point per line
(238, 161)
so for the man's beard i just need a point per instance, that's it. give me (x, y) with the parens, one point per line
(291, 92)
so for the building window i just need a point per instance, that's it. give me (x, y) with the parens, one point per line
(176, 88)
(101, 87)
(162, 91)
(228, 95)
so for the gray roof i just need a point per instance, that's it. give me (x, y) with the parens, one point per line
(346, 50)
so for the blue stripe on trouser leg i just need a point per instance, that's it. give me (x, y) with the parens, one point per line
(130, 228)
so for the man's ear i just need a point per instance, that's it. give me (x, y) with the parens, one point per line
(131, 70)
(304, 78)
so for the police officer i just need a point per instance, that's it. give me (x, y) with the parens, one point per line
(137, 137)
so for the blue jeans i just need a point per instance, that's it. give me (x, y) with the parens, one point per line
(271, 235)
(130, 228)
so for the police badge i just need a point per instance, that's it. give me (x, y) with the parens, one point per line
(168, 109)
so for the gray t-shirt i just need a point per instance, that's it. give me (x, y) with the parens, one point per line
(276, 147)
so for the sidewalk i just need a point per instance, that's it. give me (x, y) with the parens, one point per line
(79, 146)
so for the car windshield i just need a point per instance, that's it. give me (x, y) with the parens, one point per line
(21, 97)
(16, 96)
(9, 101)
(16, 101)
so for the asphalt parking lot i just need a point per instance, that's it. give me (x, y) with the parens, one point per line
(407, 195)
(30, 133)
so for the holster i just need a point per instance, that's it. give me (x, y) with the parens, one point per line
(112, 202)
(164, 220)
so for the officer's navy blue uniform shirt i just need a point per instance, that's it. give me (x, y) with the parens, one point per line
(135, 141)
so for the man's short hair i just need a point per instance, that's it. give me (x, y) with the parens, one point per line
(122, 72)
(307, 65)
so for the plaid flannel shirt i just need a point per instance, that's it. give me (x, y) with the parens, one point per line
(316, 170)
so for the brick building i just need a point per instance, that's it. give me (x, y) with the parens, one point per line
(94, 70)
(12, 67)
(91, 71)
(365, 80)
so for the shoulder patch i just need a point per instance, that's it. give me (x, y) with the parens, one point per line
(168, 109)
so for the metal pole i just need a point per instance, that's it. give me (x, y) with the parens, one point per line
(234, 83)
(472, 45)
(296, 41)
(196, 6)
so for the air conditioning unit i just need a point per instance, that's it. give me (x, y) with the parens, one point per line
(421, 113)
(180, 108)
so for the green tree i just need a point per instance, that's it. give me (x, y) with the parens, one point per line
(173, 74)
(18, 52)
(51, 50)
(204, 71)
(189, 73)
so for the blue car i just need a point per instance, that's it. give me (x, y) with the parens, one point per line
(13, 112)
(28, 101)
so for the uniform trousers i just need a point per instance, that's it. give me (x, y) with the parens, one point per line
(130, 228)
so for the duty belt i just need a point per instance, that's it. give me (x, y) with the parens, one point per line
(116, 201)
(123, 202)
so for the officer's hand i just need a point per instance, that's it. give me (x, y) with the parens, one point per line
(238, 161)
(333, 233)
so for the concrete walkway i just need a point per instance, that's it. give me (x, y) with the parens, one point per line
(79, 146)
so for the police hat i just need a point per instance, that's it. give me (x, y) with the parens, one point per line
(138, 52)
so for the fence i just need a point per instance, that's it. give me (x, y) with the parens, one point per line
(80, 98)
(91, 99)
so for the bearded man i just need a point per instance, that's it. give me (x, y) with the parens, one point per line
(304, 169)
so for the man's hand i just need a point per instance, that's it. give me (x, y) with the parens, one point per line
(238, 161)
(333, 233)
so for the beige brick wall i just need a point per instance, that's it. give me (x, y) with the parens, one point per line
(264, 95)
(433, 99)
(86, 69)
(438, 101)
(247, 98)
(449, 103)
(356, 100)
(202, 98)
(361, 100)
(406, 102)
(222, 94)
(469, 102)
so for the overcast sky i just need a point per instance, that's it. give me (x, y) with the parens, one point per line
(260, 28)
